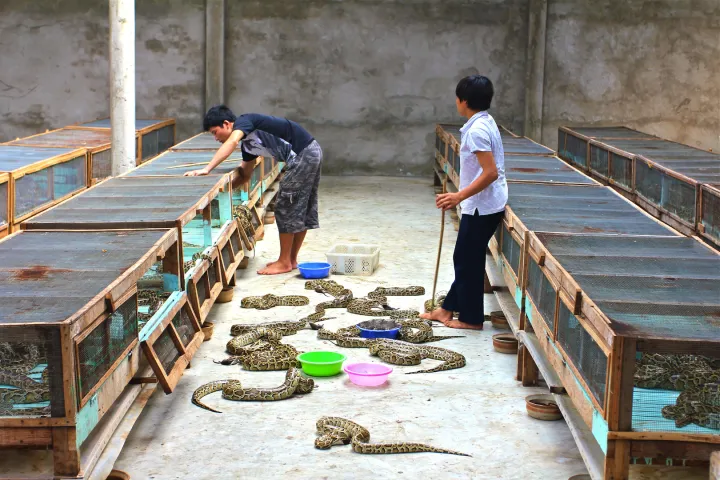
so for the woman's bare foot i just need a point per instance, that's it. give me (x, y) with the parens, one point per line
(462, 325)
(276, 268)
(439, 315)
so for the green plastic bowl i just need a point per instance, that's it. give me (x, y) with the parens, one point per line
(321, 364)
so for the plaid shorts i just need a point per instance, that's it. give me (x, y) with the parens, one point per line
(296, 208)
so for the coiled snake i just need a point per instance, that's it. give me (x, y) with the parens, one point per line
(233, 390)
(340, 431)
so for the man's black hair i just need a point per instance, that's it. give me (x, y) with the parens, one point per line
(216, 116)
(477, 90)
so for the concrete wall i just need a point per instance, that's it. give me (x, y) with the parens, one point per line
(652, 66)
(370, 78)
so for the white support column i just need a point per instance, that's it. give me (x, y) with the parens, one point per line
(122, 85)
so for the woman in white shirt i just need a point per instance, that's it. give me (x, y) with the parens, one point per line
(482, 197)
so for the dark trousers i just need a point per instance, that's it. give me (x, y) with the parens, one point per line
(466, 293)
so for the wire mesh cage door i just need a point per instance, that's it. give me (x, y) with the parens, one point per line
(709, 216)
(200, 290)
(541, 295)
(170, 347)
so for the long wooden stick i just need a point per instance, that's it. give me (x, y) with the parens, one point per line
(442, 231)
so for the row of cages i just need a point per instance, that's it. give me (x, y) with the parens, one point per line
(448, 141)
(625, 310)
(65, 361)
(42, 170)
(85, 314)
(674, 182)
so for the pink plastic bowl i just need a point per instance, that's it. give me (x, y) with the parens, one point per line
(368, 374)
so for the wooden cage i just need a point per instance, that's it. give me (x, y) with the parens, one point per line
(73, 330)
(604, 307)
(41, 177)
(199, 208)
(573, 142)
(5, 204)
(96, 142)
(709, 214)
(154, 136)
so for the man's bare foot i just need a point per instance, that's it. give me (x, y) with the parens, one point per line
(275, 269)
(462, 325)
(439, 315)
(294, 264)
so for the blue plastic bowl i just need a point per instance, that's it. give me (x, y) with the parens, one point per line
(314, 269)
(365, 333)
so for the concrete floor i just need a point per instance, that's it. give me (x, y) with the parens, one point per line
(478, 409)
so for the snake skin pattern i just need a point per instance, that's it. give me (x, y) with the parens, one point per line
(699, 405)
(16, 362)
(233, 390)
(340, 431)
(260, 350)
(674, 372)
(269, 301)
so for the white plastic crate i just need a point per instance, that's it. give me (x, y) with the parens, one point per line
(353, 259)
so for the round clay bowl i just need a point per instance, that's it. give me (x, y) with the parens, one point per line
(269, 218)
(542, 407)
(207, 329)
(582, 476)
(505, 343)
(225, 296)
(498, 320)
(118, 475)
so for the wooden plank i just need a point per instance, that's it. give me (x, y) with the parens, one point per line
(113, 387)
(25, 437)
(491, 271)
(670, 449)
(589, 449)
(66, 457)
(532, 345)
(715, 466)
(666, 437)
(510, 309)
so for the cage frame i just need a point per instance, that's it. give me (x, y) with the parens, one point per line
(14, 175)
(662, 213)
(92, 150)
(626, 190)
(5, 229)
(230, 232)
(199, 277)
(714, 191)
(202, 206)
(568, 131)
(66, 435)
(139, 133)
(621, 350)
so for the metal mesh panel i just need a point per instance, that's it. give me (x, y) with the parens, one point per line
(102, 347)
(621, 170)
(235, 242)
(541, 292)
(679, 197)
(102, 164)
(184, 327)
(698, 268)
(3, 203)
(544, 169)
(165, 138)
(711, 213)
(511, 250)
(69, 177)
(599, 160)
(624, 246)
(149, 144)
(32, 192)
(166, 350)
(562, 141)
(255, 178)
(267, 166)
(202, 291)
(31, 383)
(648, 182)
(659, 320)
(225, 252)
(584, 352)
(578, 209)
(668, 290)
(576, 150)
(212, 274)
(204, 141)
(676, 390)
